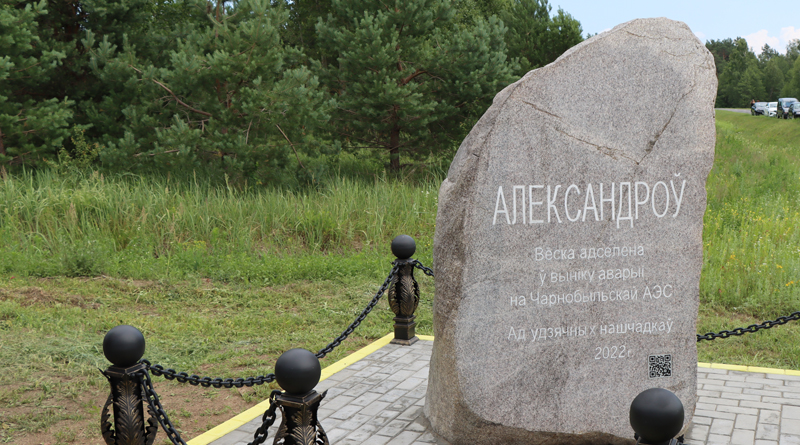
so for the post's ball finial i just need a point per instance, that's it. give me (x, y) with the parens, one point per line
(123, 345)
(403, 246)
(656, 415)
(297, 371)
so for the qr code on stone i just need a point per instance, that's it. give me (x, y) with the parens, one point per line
(660, 365)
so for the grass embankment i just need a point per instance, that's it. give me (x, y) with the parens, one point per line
(223, 280)
(752, 241)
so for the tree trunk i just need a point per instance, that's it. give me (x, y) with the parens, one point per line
(394, 148)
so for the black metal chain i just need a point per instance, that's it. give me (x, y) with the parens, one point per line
(750, 329)
(332, 345)
(267, 420)
(158, 411)
(205, 382)
(426, 270)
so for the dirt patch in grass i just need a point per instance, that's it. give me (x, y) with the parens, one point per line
(36, 296)
(55, 419)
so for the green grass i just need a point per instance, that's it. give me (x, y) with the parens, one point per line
(154, 228)
(752, 241)
(222, 279)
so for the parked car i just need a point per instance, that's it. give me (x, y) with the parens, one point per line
(782, 111)
(772, 109)
(758, 109)
(794, 110)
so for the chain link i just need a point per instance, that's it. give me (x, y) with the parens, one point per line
(750, 329)
(426, 270)
(332, 345)
(267, 420)
(205, 382)
(158, 411)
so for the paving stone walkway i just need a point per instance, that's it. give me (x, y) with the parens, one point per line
(378, 401)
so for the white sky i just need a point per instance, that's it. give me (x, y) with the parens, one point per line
(758, 22)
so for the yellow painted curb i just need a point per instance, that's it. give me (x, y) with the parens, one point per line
(749, 369)
(425, 337)
(240, 419)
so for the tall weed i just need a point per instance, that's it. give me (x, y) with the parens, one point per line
(88, 224)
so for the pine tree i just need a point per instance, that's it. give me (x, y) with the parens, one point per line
(729, 94)
(225, 95)
(536, 37)
(33, 125)
(406, 77)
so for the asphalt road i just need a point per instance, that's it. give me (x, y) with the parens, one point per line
(735, 110)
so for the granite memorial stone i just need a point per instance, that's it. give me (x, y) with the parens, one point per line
(568, 244)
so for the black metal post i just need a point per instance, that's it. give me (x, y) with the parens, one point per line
(657, 417)
(124, 346)
(403, 294)
(297, 372)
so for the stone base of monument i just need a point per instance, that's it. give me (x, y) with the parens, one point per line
(405, 331)
(499, 435)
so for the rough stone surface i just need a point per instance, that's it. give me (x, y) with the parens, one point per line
(631, 111)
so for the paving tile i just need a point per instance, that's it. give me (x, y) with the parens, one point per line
(404, 438)
(794, 401)
(705, 406)
(791, 412)
(742, 437)
(789, 439)
(790, 427)
(715, 414)
(374, 408)
(391, 396)
(767, 431)
(705, 393)
(741, 385)
(393, 428)
(699, 420)
(721, 426)
(336, 403)
(764, 406)
(746, 422)
(354, 422)
(376, 440)
(728, 402)
(718, 439)
(737, 410)
(741, 397)
(232, 438)
(410, 383)
(335, 434)
(361, 433)
(345, 412)
(697, 432)
(426, 438)
(770, 417)
(366, 398)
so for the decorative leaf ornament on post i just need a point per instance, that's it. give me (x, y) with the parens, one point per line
(123, 346)
(297, 372)
(403, 292)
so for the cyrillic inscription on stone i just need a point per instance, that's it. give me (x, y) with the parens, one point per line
(568, 244)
